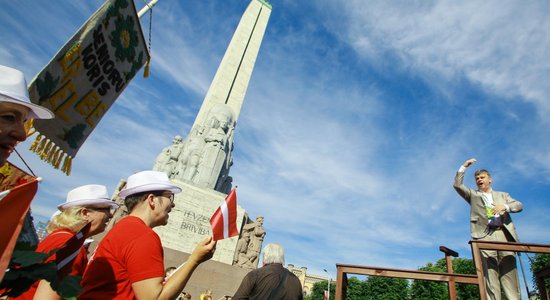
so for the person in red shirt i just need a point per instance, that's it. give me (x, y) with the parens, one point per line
(129, 261)
(85, 204)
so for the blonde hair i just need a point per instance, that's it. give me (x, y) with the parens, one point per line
(70, 218)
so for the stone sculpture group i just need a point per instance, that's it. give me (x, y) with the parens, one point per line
(204, 158)
(250, 244)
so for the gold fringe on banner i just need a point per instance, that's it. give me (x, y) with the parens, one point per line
(51, 153)
(55, 157)
(41, 145)
(146, 69)
(28, 127)
(58, 160)
(34, 145)
(67, 163)
(46, 150)
(49, 157)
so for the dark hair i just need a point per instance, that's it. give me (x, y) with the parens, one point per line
(132, 200)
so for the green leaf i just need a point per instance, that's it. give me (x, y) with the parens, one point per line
(19, 280)
(27, 258)
(69, 287)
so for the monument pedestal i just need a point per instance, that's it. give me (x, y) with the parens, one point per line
(189, 222)
(221, 278)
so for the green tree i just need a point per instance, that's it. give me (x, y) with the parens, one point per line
(465, 291)
(428, 290)
(356, 289)
(539, 262)
(318, 291)
(386, 288)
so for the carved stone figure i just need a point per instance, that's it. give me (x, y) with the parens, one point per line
(242, 246)
(167, 159)
(218, 137)
(226, 184)
(161, 160)
(257, 234)
(190, 156)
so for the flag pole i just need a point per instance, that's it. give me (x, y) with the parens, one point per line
(147, 7)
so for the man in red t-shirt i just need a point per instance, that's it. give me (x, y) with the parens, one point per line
(128, 263)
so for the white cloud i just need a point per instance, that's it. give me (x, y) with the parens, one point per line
(501, 46)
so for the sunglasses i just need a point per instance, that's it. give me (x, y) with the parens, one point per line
(170, 196)
(108, 210)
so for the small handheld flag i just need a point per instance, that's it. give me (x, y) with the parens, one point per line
(224, 220)
(65, 256)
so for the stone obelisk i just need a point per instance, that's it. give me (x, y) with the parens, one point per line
(200, 163)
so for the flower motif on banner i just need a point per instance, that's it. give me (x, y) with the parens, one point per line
(124, 39)
(113, 10)
(74, 136)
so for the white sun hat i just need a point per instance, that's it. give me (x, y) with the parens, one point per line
(148, 181)
(87, 195)
(13, 89)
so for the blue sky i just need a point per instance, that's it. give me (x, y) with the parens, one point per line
(357, 116)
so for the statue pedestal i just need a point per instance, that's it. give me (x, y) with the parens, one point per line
(189, 222)
(221, 278)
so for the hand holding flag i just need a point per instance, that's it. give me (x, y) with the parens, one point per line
(224, 220)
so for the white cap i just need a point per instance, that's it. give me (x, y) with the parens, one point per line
(13, 89)
(148, 181)
(86, 195)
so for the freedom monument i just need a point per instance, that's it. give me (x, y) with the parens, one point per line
(200, 164)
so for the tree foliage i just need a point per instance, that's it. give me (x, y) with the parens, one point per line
(430, 290)
(465, 291)
(356, 289)
(421, 289)
(540, 261)
(375, 288)
(386, 288)
(318, 291)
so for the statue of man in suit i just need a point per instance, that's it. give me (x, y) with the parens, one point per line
(490, 221)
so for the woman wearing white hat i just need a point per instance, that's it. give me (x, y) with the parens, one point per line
(15, 109)
(86, 204)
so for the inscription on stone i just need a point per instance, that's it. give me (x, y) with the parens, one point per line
(195, 229)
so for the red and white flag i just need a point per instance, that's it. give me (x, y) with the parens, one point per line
(224, 220)
(14, 204)
(64, 257)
